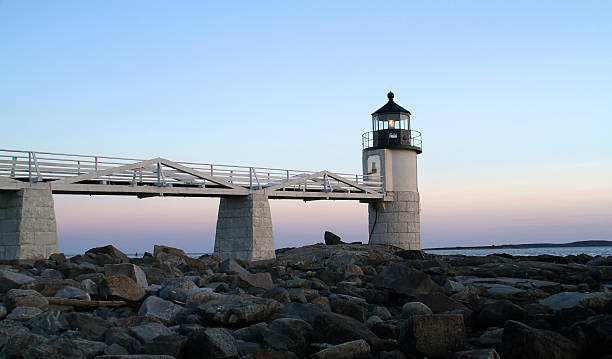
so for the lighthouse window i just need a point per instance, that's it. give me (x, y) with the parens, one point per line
(391, 124)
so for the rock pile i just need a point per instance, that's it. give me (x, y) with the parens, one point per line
(320, 301)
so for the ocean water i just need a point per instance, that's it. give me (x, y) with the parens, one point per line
(555, 251)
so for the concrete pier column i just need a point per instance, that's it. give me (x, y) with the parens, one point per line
(27, 224)
(244, 228)
(396, 223)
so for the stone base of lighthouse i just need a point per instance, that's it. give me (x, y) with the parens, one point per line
(397, 222)
(244, 228)
(27, 225)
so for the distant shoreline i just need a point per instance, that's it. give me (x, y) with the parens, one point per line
(601, 243)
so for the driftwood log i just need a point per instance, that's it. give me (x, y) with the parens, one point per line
(86, 303)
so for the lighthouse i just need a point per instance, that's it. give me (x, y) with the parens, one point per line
(390, 156)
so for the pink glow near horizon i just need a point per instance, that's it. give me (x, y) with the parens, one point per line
(541, 205)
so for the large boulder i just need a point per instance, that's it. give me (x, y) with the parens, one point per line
(147, 333)
(10, 280)
(331, 238)
(496, 314)
(522, 341)
(215, 343)
(257, 280)
(108, 255)
(70, 292)
(129, 270)
(289, 334)
(121, 287)
(594, 301)
(352, 308)
(594, 334)
(23, 314)
(405, 280)
(48, 287)
(177, 288)
(436, 335)
(156, 307)
(356, 349)
(25, 298)
(336, 328)
(415, 308)
(89, 326)
(49, 322)
(238, 310)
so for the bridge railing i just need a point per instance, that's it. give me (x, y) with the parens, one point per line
(35, 166)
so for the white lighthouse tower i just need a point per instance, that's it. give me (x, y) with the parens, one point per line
(390, 155)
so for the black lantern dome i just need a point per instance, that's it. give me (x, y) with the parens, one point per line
(391, 128)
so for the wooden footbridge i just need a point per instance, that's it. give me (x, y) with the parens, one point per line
(102, 175)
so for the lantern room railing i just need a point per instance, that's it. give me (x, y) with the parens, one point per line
(415, 140)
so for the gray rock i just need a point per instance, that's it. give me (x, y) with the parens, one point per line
(129, 270)
(169, 344)
(257, 280)
(51, 274)
(156, 307)
(351, 308)
(25, 298)
(450, 286)
(336, 328)
(10, 280)
(23, 314)
(246, 348)
(230, 266)
(476, 354)
(122, 287)
(123, 339)
(381, 312)
(16, 340)
(279, 294)
(110, 254)
(89, 326)
(3, 311)
(404, 280)
(491, 338)
(291, 334)
(331, 238)
(357, 349)
(496, 314)
(177, 288)
(49, 322)
(238, 310)
(115, 349)
(522, 341)
(594, 334)
(297, 295)
(56, 348)
(215, 343)
(72, 293)
(89, 347)
(415, 308)
(149, 332)
(436, 335)
(562, 300)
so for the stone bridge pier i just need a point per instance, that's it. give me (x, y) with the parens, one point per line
(27, 224)
(244, 228)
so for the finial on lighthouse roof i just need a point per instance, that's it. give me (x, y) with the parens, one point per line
(391, 107)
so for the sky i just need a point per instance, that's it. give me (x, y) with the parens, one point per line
(514, 101)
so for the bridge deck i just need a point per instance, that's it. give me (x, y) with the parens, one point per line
(86, 174)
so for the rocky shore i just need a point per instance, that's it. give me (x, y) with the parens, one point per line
(320, 301)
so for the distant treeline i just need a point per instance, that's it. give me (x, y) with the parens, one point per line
(537, 245)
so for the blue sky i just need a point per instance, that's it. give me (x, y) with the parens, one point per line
(514, 100)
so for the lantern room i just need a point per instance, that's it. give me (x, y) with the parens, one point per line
(391, 129)
(391, 116)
